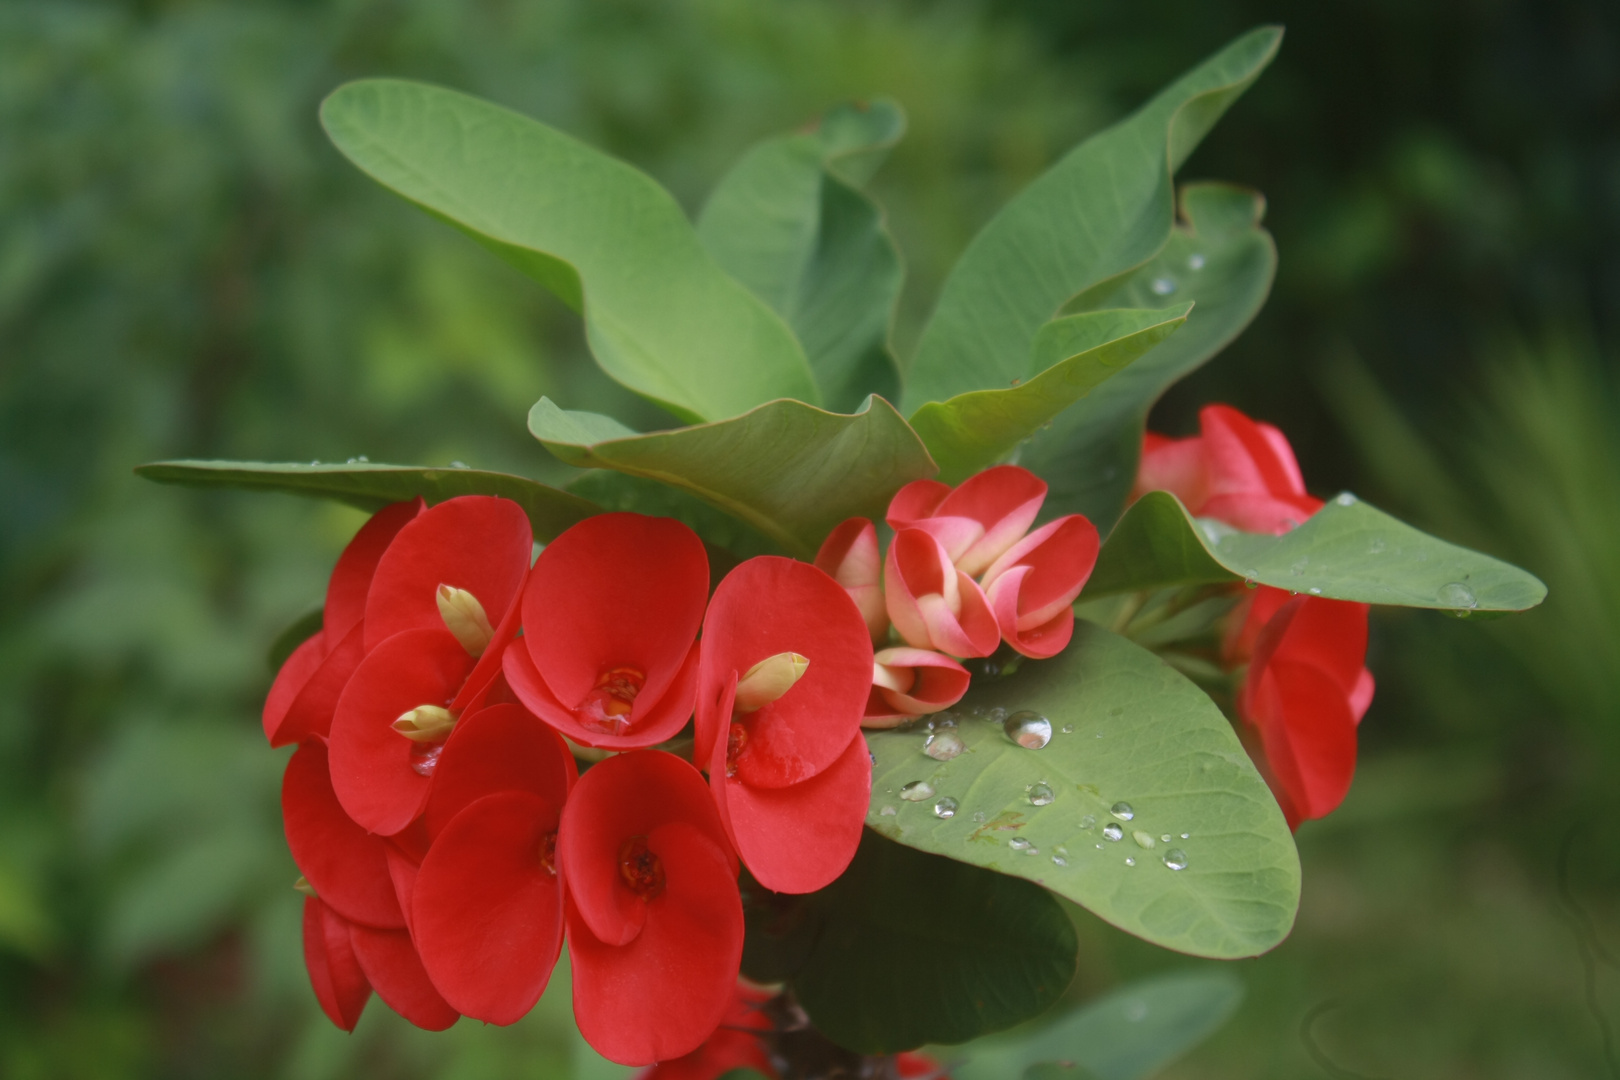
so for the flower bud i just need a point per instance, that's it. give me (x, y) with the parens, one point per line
(303, 886)
(850, 556)
(464, 617)
(768, 680)
(425, 723)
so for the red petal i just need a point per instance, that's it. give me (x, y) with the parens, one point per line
(1061, 555)
(1247, 620)
(1004, 500)
(938, 682)
(295, 672)
(501, 748)
(351, 577)
(310, 714)
(346, 865)
(736, 1044)
(1038, 642)
(334, 973)
(473, 542)
(1242, 459)
(396, 973)
(1179, 466)
(1328, 634)
(921, 586)
(616, 590)
(371, 762)
(623, 797)
(664, 992)
(851, 557)
(771, 605)
(487, 914)
(798, 839)
(1259, 512)
(916, 501)
(402, 869)
(1309, 736)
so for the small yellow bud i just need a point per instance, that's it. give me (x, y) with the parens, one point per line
(425, 723)
(303, 886)
(464, 617)
(768, 680)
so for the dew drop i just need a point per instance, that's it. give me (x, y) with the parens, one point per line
(887, 811)
(1113, 832)
(1040, 795)
(1067, 729)
(363, 459)
(1129, 861)
(1186, 836)
(1299, 567)
(1175, 859)
(1061, 850)
(945, 808)
(872, 756)
(1122, 810)
(1018, 843)
(944, 745)
(1455, 594)
(1165, 838)
(1163, 286)
(978, 818)
(1058, 860)
(917, 791)
(1099, 847)
(1028, 729)
(997, 715)
(1088, 822)
(1344, 498)
(1314, 591)
(1195, 261)
(1376, 547)
(458, 464)
(1032, 851)
(1143, 840)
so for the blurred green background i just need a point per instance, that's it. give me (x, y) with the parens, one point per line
(187, 269)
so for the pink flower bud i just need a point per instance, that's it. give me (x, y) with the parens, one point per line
(850, 557)
(912, 682)
(935, 605)
(1032, 587)
(978, 520)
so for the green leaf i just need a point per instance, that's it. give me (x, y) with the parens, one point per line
(791, 223)
(1345, 551)
(1106, 208)
(372, 487)
(306, 627)
(1220, 257)
(788, 470)
(1130, 1034)
(660, 316)
(1126, 728)
(1074, 355)
(907, 948)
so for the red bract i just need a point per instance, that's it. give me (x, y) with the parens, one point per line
(735, 1044)
(440, 609)
(334, 972)
(1033, 585)
(911, 682)
(394, 970)
(1305, 692)
(302, 698)
(655, 925)
(347, 866)
(608, 655)
(976, 521)
(789, 768)
(488, 901)
(934, 604)
(850, 557)
(1237, 471)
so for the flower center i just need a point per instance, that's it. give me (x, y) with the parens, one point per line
(548, 853)
(736, 740)
(606, 709)
(641, 868)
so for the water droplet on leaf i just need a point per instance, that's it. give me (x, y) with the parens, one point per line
(887, 811)
(944, 745)
(1122, 810)
(917, 791)
(945, 808)
(1344, 498)
(1028, 729)
(1088, 822)
(1018, 843)
(1067, 729)
(1163, 286)
(1058, 860)
(1175, 859)
(1129, 861)
(1143, 840)
(1113, 832)
(1195, 261)
(1457, 595)
(1040, 795)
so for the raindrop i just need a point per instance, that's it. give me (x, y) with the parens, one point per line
(1195, 261)
(1088, 822)
(944, 745)
(363, 458)
(977, 712)
(1099, 847)
(1129, 861)
(1314, 591)
(917, 791)
(1175, 859)
(1165, 838)
(352, 461)
(1028, 729)
(1299, 567)
(1018, 843)
(1344, 498)
(872, 756)
(1061, 850)
(1457, 595)
(1032, 851)
(887, 811)
(945, 808)
(1377, 546)
(1058, 860)
(979, 817)
(1250, 583)
(316, 462)
(1040, 795)
(1163, 286)
(458, 464)
(1113, 832)
(1067, 729)
(1186, 836)
(1122, 810)
(1143, 840)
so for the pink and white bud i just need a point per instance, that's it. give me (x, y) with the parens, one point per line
(933, 604)
(912, 682)
(978, 520)
(850, 557)
(1033, 586)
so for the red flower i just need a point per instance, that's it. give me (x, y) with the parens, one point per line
(440, 608)
(487, 902)
(1033, 585)
(655, 924)
(608, 655)
(334, 971)
(1237, 471)
(850, 557)
(735, 1044)
(305, 693)
(1304, 694)
(911, 682)
(787, 666)
(346, 961)
(976, 521)
(934, 604)
(347, 866)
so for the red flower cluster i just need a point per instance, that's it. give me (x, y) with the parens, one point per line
(962, 575)
(1304, 688)
(433, 805)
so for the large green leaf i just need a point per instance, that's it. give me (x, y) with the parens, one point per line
(1220, 257)
(790, 222)
(907, 948)
(660, 316)
(789, 470)
(1105, 208)
(371, 487)
(1345, 551)
(1126, 729)
(1073, 355)
(1130, 1034)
